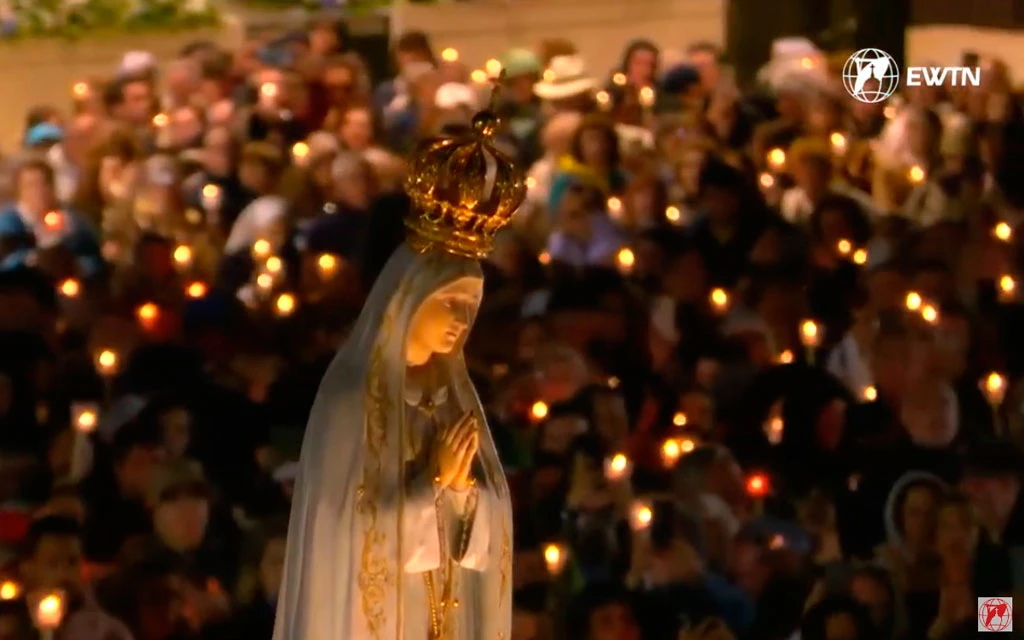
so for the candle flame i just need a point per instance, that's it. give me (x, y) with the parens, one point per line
(913, 301)
(107, 360)
(196, 290)
(285, 304)
(450, 55)
(539, 410)
(70, 288)
(1003, 231)
(9, 590)
(183, 255)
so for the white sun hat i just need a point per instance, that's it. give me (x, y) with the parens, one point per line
(565, 77)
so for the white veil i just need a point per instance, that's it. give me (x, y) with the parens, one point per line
(342, 577)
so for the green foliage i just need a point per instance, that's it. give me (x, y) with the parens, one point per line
(73, 19)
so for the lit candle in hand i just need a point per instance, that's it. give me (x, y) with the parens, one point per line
(810, 338)
(719, 301)
(1007, 289)
(555, 556)
(641, 515)
(617, 467)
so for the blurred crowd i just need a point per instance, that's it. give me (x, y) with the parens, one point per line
(750, 353)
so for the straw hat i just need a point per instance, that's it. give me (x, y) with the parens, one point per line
(565, 77)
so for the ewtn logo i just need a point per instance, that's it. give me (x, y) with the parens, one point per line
(872, 75)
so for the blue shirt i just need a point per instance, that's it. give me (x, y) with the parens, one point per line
(75, 234)
(597, 250)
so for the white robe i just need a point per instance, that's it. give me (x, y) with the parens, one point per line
(362, 529)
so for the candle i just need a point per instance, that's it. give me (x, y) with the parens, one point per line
(641, 515)
(994, 387)
(625, 259)
(196, 290)
(300, 152)
(687, 445)
(48, 611)
(810, 338)
(614, 208)
(493, 67)
(9, 590)
(766, 180)
(844, 247)
(679, 419)
(161, 120)
(719, 301)
(1003, 231)
(53, 221)
(838, 141)
(544, 257)
(538, 411)
(774, 429)
(265, 281)
(870, 394)
(670, 452)
(450, 54)
(647, 97)
(148, 314)
(285, 304)
(211, 198)
(106, 362)
(785, 357)
(913, 301)
(261, 249)
(613, 382)
(617, 467)
(777, 159)
(479, 76)
(84, 416)
(70, 288)
(1007, 289)
(758, 485)
(183, 256)
(80, 90)
(555, 556)
(274, 265)
(619, 79)
(268, 95)
(326, 264)
(84, 419)
(531, 183)
(860, 257)
(603, 99)
(673, 215)
(930, 314)
(916, 174)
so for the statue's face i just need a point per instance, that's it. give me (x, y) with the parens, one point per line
(443, 319)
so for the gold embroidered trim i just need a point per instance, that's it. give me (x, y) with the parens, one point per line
(375, 573)
(506, 559)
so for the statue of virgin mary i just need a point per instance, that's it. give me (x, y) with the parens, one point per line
(401, 522)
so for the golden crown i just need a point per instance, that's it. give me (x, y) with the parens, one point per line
(463, 190)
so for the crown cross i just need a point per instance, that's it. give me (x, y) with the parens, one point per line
(497, 83)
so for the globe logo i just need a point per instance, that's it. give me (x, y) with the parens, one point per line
(871, 75)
